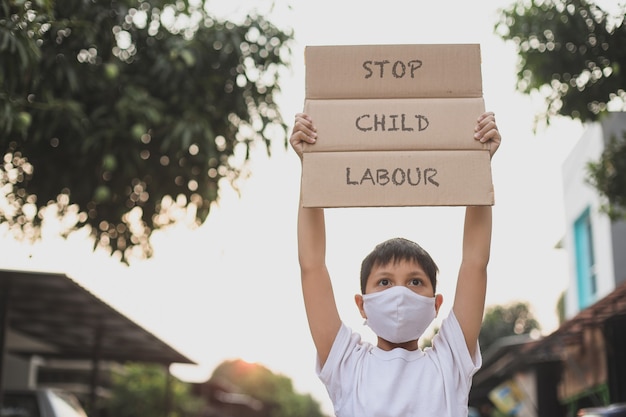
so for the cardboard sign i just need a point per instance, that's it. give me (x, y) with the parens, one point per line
(394, 124)
(395, 127)
(392, 71)
(396, 178)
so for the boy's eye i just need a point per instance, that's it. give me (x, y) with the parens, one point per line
(383, 282)
(415, 281)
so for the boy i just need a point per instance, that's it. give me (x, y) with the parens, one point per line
(398, 281)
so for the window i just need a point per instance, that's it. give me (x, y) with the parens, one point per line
(585, 261)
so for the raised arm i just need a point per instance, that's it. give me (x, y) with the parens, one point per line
(319, 299)
(469, 300)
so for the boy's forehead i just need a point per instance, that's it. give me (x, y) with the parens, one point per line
(394, 263)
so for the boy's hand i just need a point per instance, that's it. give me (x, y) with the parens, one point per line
(486, 131)
(303, 132)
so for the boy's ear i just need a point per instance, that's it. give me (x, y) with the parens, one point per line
(358, 299)
(438, 302)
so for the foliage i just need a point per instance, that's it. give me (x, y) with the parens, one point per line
(274, 391)
(141, 390)
(608, 176)
(124, 116)
(573, 54)
(560, 308)
(506, 320)
(427, 341)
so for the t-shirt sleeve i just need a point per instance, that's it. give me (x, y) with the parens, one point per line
(449, 344)
(341, 363)
(337, 352)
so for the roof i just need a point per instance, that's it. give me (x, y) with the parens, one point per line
(502, 354)
(570, 332)
(50, 315)
(512, 354)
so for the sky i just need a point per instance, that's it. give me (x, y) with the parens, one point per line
(230, 289)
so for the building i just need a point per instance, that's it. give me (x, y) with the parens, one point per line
(595, 364)
(596, 246)
(583, 362)
(54, 333)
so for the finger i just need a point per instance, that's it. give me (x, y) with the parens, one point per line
(303, 131)
(304, 116)
(300, 136)
(304, 120)
(486, 115)
(486, 130)
(491, 136)
(484, 120)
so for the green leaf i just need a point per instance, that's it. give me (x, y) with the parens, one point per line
(114, 130)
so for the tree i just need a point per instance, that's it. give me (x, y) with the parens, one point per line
(573, 54)
(560, 308)
(274, 391)
(608, 176)
(427, 341)
(122, 116)
(142, 390)
(506, 320)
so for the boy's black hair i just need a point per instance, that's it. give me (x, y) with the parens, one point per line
(395, 250)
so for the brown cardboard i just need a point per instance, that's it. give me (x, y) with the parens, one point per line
(393, 71)
(395, 124)
(390, 178)
(424, 154)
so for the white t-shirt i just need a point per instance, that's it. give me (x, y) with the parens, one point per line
(363, 380)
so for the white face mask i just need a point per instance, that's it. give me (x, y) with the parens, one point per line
(398, 314)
